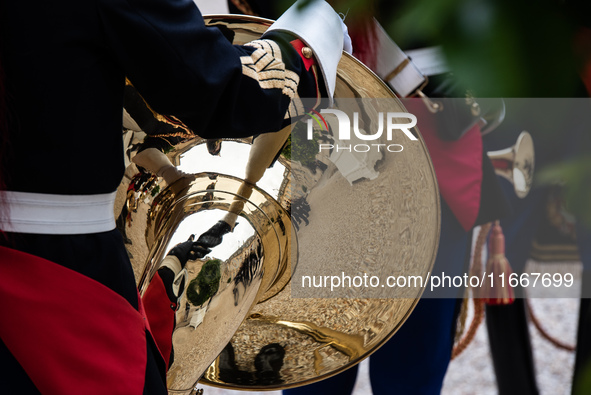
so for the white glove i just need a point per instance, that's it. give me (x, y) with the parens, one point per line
(156, 162)
(347, 44)
(321, 29)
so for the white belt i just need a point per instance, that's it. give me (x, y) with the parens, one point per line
(406, 73)
(58, 214)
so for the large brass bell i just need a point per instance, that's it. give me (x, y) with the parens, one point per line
(253, 332)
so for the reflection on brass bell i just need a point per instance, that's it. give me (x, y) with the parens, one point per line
(272, 339)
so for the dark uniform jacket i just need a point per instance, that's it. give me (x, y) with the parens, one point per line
(65, 63)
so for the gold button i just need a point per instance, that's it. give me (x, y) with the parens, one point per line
(307, 52)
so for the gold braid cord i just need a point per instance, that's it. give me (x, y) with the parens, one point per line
(471, 332)
(556, 342)
(291, 79)
(183, 131)
(461, 323)
(265, 65)
(463, 343)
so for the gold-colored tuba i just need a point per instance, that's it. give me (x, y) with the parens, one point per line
(240, 322)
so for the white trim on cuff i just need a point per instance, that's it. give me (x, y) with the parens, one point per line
(319, 27)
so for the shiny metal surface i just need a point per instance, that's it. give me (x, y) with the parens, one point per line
(283, 341)
(516, 163)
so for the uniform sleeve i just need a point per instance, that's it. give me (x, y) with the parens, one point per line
(185, 69)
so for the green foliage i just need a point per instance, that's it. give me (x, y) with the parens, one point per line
(583, 385)
(168, 149)
(575, 175)
(302, 149)
(206, 284)
(287, 149)
(155, 190)
(497, 48)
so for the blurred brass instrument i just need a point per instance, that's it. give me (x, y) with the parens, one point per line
(254, 332)
(516, 163)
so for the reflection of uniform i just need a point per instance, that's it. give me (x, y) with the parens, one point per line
(76, 325)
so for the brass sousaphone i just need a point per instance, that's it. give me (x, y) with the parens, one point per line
(240, 322)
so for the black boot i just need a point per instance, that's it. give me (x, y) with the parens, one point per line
(511, 349)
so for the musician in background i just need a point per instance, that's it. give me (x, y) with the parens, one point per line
(415, 360)
(507, 325)
(560, 134)
(511, 348)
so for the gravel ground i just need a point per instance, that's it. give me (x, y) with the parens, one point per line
(472, 373)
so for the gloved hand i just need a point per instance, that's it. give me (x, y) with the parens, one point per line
(214, 146)
(213, 236)
(172, 268)
(347, 43)
(321, 28)
(189, 250)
